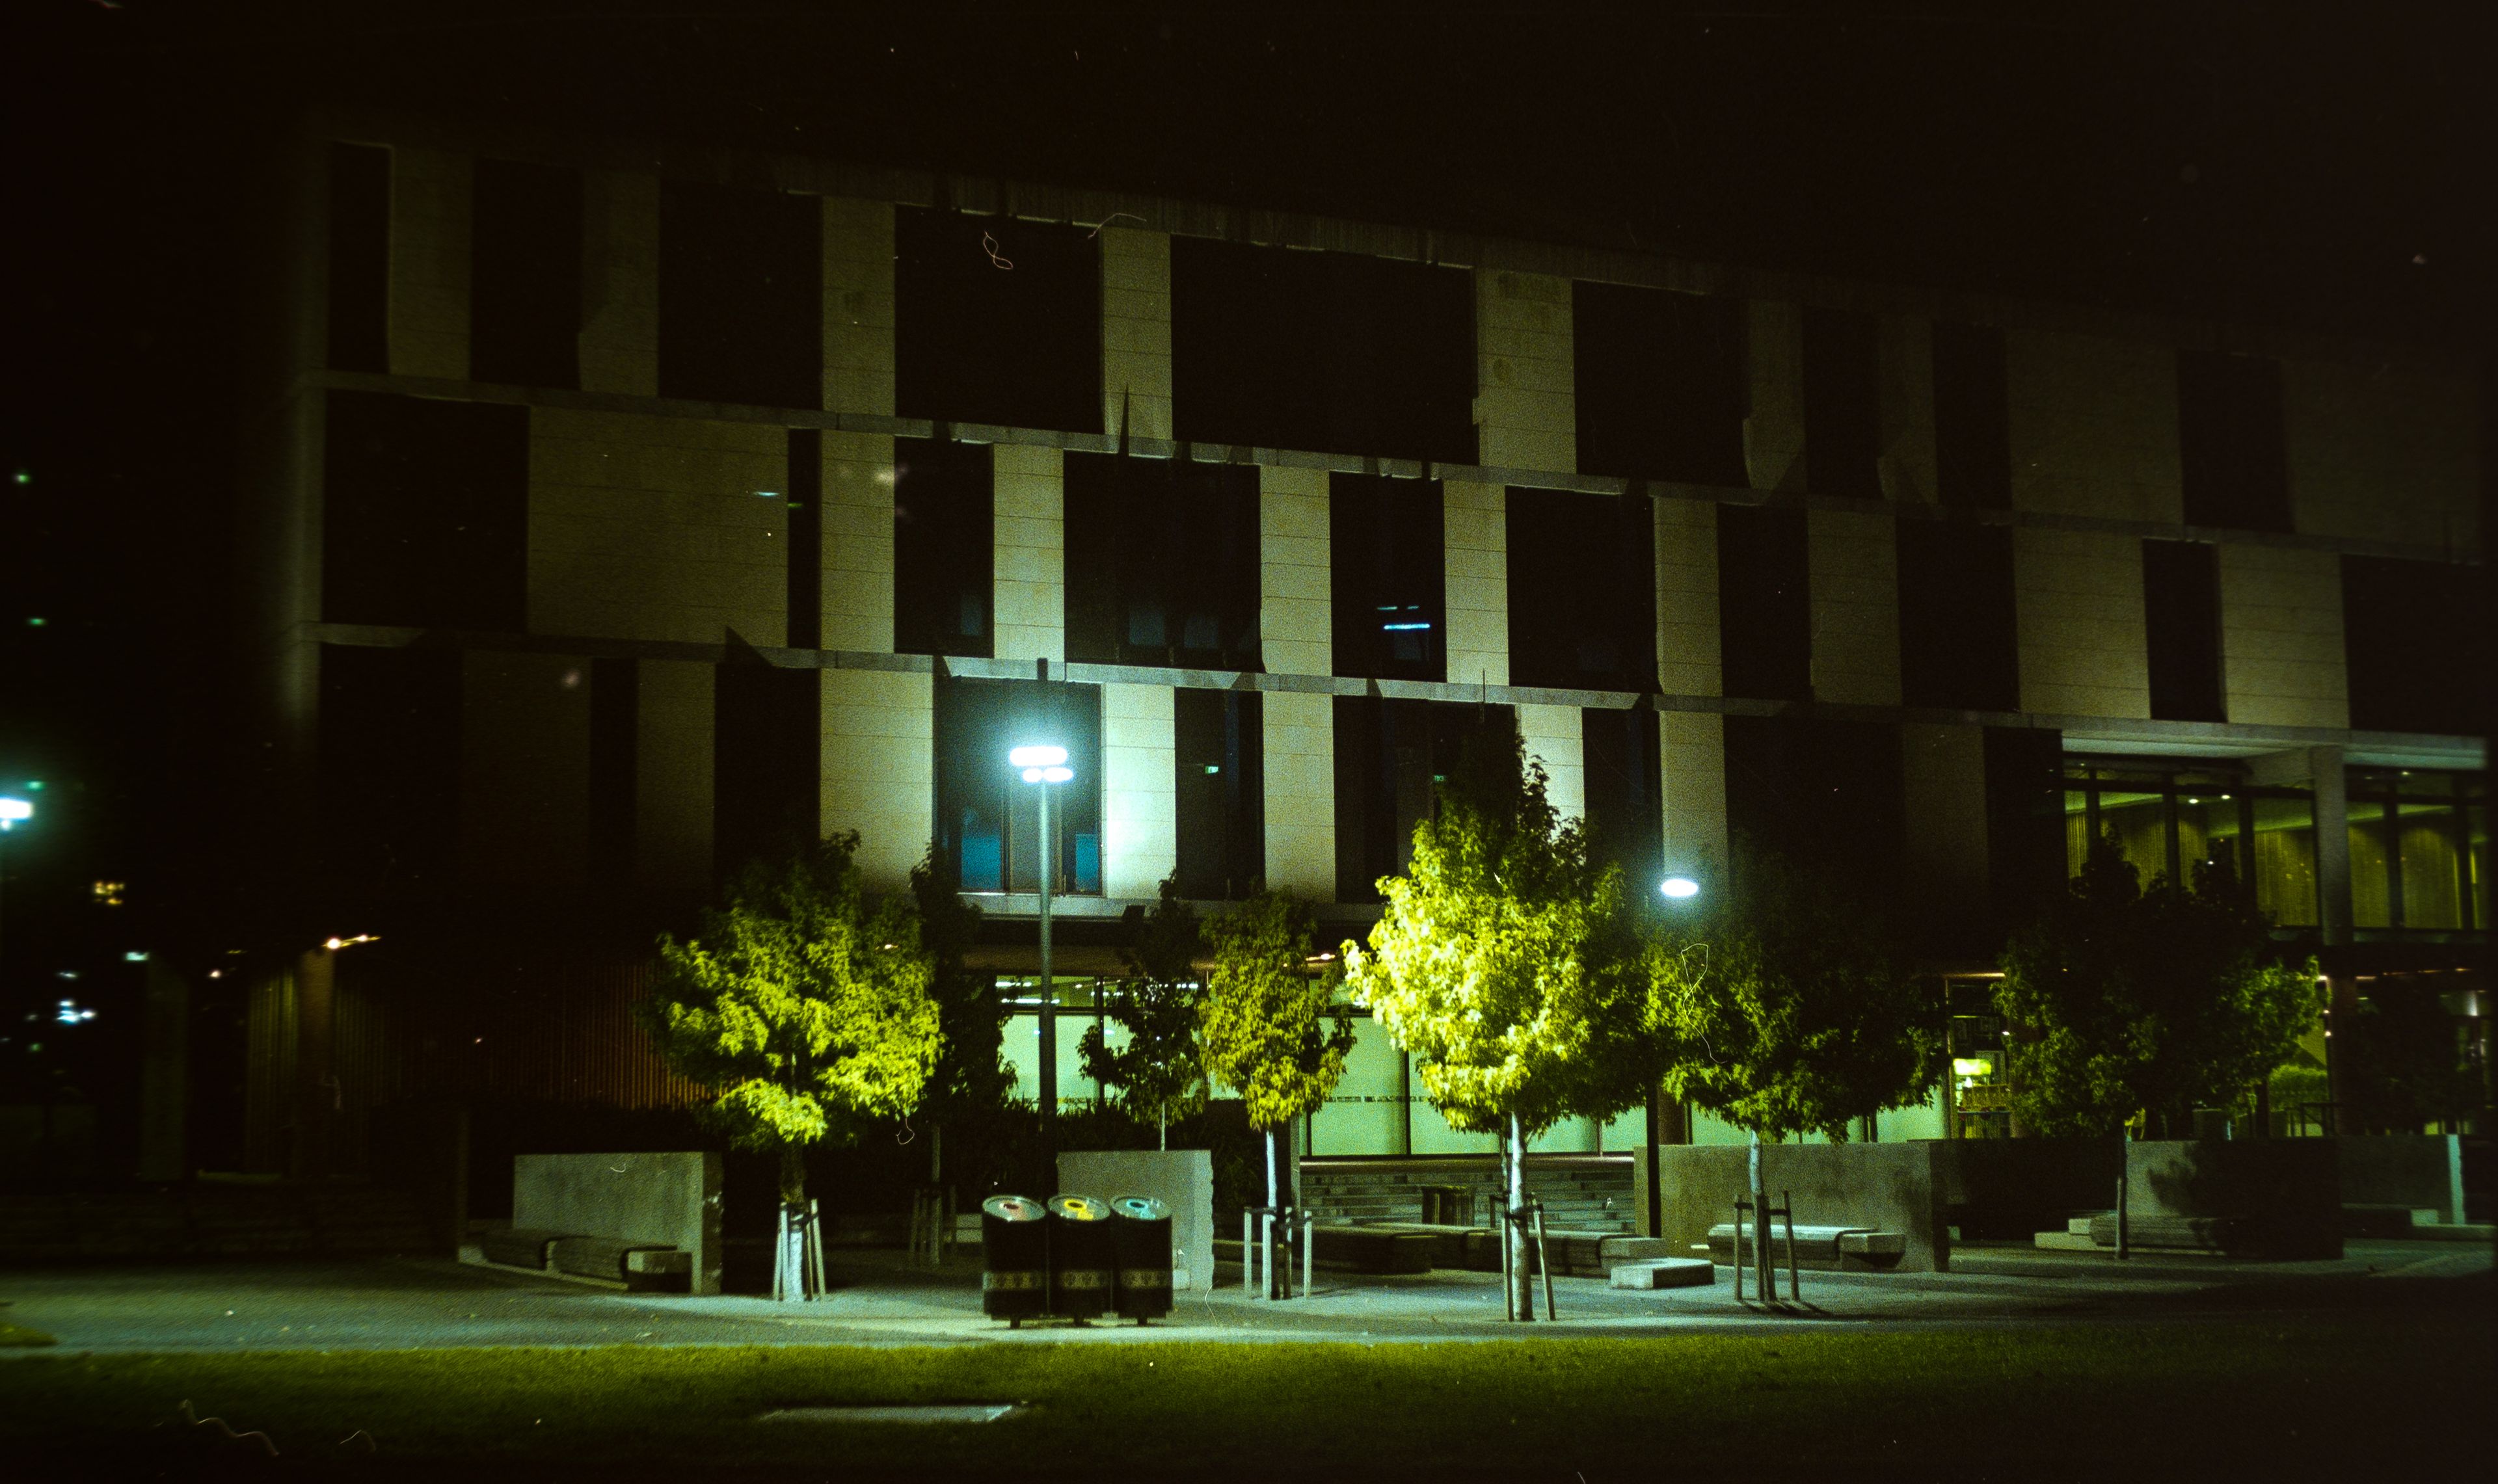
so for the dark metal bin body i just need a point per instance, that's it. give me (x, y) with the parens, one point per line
(1015, 1258)
(1141, 1239)
(1081, 1256)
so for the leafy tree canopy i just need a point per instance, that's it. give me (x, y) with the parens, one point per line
(1790, 1009)
(1261, 1020)
(1507, 964)
(2121, 1000)
(1159, 1071)
(804, 1005)
(971, 1079)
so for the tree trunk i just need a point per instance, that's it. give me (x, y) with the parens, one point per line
(1760, 1225)
(789, 1278)
(794, 1176)
(1266, 1222)
(1162, 1124)
(1514, 1234)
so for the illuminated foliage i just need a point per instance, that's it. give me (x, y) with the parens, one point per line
(1262, 1023)
(1159, 1071)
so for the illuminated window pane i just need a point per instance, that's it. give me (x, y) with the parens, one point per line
(2140, 824)
(2372, 901)
(2432, 866)
(2285, 861)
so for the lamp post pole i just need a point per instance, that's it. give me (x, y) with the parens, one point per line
(1048, 1000)
(11, 811)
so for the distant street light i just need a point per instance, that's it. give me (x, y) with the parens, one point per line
(13, 813)
(1678, 887)
(1046, 765)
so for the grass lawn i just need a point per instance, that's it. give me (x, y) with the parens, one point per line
(2213, 1401)
(16, 1335)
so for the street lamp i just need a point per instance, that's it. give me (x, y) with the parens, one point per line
(1045, 765)
(1678, 887)
(12, 811)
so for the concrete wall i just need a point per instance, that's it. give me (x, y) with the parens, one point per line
(1554, 738)
(2093, 425)
(1140, 791)
(2290, 1188)
(1295, 597)
(1690, 657)
(620, 282)
(656, 529)
(1854, 583)
(1904, 351)
(1692, 747)
(2010, 1190)
(429, 263)
(1475, 546)
(1182, 1179)
(1897, 1188)
(878, 767)
(859, 306)
(857, 525)
(1030, 582)
(2077, 603)
(524, 768)
(2419, 1171)
(2383, 453)
(1774, 429)
(1525, 405)
(2280, 637)
(1135, 332)
(671, 1198)
(672, 774)
(1299, 733)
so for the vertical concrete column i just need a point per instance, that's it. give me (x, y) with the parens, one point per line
(1854, 576)
(1135, 332)
(316, 1080)
(1690, 657)
(1692, 747)
(1475, 545)
(2282, 661)
(1774, 427)
(429, 263)
(1553, 737)
(1525, 398)
(1139, 792)
(1905, 460)
(2078, 613)
(1299, 734)
(524, 767)
(857, 495)
(1944, 793)
(878, 768)
(672, 774)
(1296, 634)
(2333, 910)
(620, 282)
(1030, 584)
(858, 305)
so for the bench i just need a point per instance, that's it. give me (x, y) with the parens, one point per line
(519, 1247)
(2225, 1235)
(643, 1266)
(1823, 1249)
(1663, 1272)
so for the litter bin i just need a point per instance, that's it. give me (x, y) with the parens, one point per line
(1082, 1257)
(1141, 1239)
(1014, 1259)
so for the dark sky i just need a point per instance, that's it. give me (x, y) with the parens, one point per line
(2265, 163)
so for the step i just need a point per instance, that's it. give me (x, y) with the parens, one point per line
(1663, 1272)
(2065, 1242)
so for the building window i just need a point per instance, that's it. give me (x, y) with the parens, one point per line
(1958, 646)
(741, 295)
(1162, 562)
(425, 512)
(2417, 641)
(1819, 790)
(1660, 380)
(1763, 603)
(1332, 351)
(2181, 612)
(525, 275)
(1973, 423)
(1581, 590)
(1624, 810)
(2170, 822)
(988, 819)
(996, 321)
(944, 530)
(2231, 451)
(359, 222)
(1841, 408)
(767, 776)
(1218, 765)
(2419, 850)
(389, 785)
(1391, 755)
(1387, 578)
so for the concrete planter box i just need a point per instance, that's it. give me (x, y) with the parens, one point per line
(2261, 1197)
(2415, 1172)
(668, 1200)
(1182, 1179)
(1886, 1187)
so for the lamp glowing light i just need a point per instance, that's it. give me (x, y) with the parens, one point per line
(13, 810)
(1678, 887)
(1041, 756)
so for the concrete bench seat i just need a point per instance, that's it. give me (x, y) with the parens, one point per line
(2227, 1235)
(2378, 1220)
(641, 1266)
(1823, 1249)
(1663, 1272)
(520, 1246)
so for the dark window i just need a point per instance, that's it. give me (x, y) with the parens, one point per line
(1581, 590)
(977, 340)
(1661, 384)
(1385, 577)
(390, 767)
(1823, 790)
(2416, 636)
(615, 709)
(1972, 424)
(1162, 562)
(1763, 603)
(2025, 820)
(425, 512)
(987, 817)
(942, 528)
(741, 311)
(1390, 755)
(359, 215)
(806, 464)
(766, 776)
(2231, 453)
(2181, 611)
(1958, 645)
(1841, 416)
(525, 275)
(1334, 351)
(1625, 818)
(1219, 771)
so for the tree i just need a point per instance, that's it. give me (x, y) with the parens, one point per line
(1161, 1071)
(803, 1007)
(1507, 964)
(2122, 1001)
(971, 1082)
(1791, 1011)
(1259, 1023)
